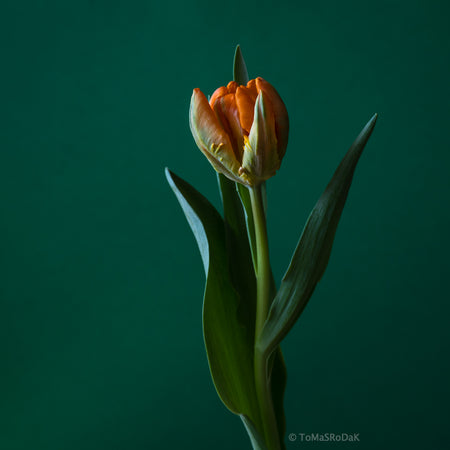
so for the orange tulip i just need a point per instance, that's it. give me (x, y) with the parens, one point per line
(243, 130)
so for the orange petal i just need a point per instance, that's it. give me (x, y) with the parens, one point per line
(251, 88)
(219, 92)
(245, 105)
(228, 115)
(219, 108)
(232, 86)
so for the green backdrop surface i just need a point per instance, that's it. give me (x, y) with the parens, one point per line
(101, 281)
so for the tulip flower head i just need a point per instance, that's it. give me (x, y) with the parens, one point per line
(242, 130)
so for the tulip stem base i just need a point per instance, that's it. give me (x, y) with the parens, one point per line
(263, 278)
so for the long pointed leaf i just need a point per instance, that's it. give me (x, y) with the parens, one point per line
(229, 345)
(313, 250)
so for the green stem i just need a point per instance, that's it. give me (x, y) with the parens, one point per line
(262, 268)
(263, 277)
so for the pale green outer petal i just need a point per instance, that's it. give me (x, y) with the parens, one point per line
(210, 137)
(280, 113)
(261, 159)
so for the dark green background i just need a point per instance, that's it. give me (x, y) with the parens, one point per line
(101, 280)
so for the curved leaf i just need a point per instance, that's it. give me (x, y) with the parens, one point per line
(229, 345)
(313, 250)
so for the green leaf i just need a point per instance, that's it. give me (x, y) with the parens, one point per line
(313, 250)
(229, 345)
(278, 385)
(240, 74)
(239, 255)
(256, 439)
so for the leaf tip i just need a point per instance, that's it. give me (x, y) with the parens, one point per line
(240, 73)
(365, 133)
(168, 174)
(171, 179)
